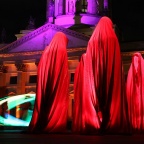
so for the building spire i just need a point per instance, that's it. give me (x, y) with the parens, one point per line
(31, 23)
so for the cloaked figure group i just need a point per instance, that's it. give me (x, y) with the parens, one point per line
(104, 101)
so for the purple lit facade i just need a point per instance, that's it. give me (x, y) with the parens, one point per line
(70, 12)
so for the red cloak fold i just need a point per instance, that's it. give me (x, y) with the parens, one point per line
(52, 96)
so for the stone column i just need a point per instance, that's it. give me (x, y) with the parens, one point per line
(61, 9)
(21, 76)
(92, 7)
(2, 81)
(78, 5)
(1, 67)
(103, 7)
(50, 11)
(4, 68)
(21, 71)
(106, 7)
(71, 7)
(4, 106)
(105, 4)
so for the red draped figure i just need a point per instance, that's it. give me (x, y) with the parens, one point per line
(100, 102)
(52, 95)
(135, 92)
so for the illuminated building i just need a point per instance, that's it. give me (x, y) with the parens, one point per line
(19, 59)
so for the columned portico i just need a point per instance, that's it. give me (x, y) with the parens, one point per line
(72, 12)
(19, 77)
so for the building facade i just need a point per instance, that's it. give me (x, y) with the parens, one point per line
(19, 59)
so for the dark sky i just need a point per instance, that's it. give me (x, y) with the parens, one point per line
(126, 14)
(15, 14)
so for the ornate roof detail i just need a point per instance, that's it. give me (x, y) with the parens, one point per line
(3, 68)
(39, 31)
(19, 55)
(21, 67)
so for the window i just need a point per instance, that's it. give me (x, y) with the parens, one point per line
(13, 80)
(33, 79)
(72, 77)
(84, 6)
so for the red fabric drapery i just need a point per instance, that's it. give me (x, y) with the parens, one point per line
(85, 119)
(100, 92)
(135, 92)
(52, 96)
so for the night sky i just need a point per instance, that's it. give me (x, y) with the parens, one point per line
(15, 14)
(126, 14)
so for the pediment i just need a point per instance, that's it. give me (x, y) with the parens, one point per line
(39, 38)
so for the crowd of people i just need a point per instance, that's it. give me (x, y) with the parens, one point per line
(104, 101)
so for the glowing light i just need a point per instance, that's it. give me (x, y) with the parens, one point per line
(13, 102)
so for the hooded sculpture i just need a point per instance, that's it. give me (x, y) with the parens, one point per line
(52, 96)
(100, 89)
(135, 92)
